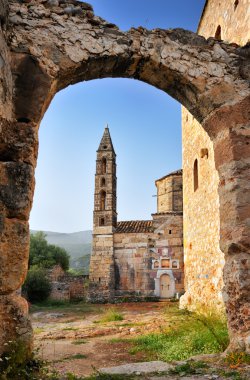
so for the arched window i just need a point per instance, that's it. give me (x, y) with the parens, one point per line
(218, 33)
(102, 222)
(103, 201)
(156, 264)
(104, 165)
(175, 264)
(103, 182)
(196, 178)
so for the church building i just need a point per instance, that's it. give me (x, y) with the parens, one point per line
(135, 258)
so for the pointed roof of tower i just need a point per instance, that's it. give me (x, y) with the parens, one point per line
(106, 141)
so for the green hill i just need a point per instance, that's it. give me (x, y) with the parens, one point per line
(77, 244)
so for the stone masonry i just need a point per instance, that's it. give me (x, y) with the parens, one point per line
(204, 256)
(65, 286)
(46, 46)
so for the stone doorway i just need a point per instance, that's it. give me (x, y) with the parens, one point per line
(166, 287)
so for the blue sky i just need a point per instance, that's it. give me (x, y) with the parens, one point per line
(145, 125)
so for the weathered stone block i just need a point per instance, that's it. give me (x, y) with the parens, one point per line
(14, 243)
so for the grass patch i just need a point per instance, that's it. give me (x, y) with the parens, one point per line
(79, 342)
(186, 334)
(111, 315)
(70, 329)
(38, 330)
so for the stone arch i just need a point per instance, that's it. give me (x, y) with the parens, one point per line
(48, 50)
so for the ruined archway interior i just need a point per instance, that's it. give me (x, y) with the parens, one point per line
(208, 77)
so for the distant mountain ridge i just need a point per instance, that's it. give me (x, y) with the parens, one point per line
(77, 244)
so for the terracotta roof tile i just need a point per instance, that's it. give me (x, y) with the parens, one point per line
(134, 226)
(168, 213)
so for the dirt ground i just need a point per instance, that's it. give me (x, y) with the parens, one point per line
(75, 341)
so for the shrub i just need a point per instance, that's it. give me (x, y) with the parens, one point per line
(37, 285)
(112, 315)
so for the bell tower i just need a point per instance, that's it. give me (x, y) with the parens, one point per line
(105, 216)
(101, 274)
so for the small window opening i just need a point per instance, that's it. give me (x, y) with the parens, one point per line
(204, 153)
(104, 165)
(103, 201)
(105, 147)
(102, 222)
(99, 279)
(174, 264)
(170, 231)
(195, 174)
(103, 182)
(165, 263)
(156, 264)
(236, 3)
(218, 33)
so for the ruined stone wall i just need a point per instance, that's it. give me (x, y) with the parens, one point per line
(55, 273)
(204, 261)
(77, 286)
(141, 258)
(59, 291)
(68, 287)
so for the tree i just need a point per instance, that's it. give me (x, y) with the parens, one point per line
(60, 256)
(37, 286)
(39, 251)
(45, 255)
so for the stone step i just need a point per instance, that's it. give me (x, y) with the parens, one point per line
(138, 368)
